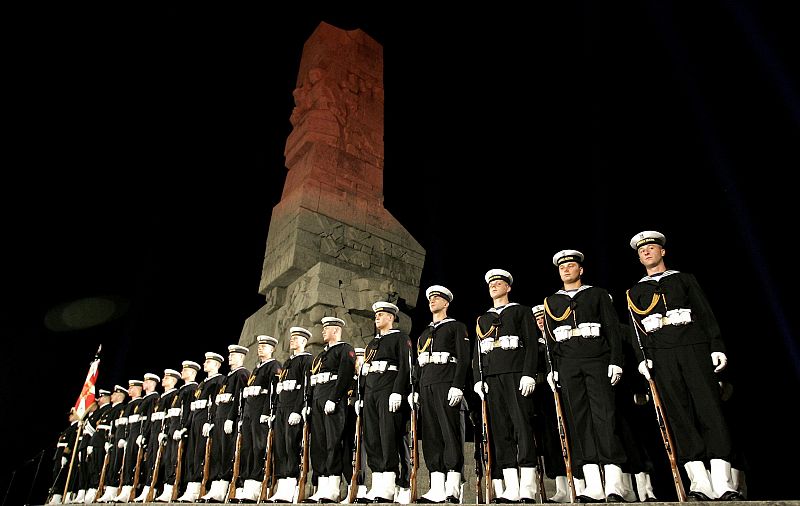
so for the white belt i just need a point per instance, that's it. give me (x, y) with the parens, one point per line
(674, 317)
(134, 418)
(61, 445)
(103, 427)
(504, 342)
(436, 357)
(290, 385)
(223, 398)
(199, 404)
(253, 391)
(587, 330)
(173, 412)
(380, 366)
(158, 415)
(121, 421)
(322, 378)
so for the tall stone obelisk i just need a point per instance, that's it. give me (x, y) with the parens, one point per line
(332, 248)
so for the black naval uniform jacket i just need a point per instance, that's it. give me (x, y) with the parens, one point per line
(394, 347)
(295, 368)
(674, 290)
(511, 319)
(338, 359)
(183, 402)
(450, 336)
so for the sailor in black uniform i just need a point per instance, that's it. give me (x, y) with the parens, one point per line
(89, 467)
(101, 442)
(508, 348)
(199, 425)
(115, 475)
(587, 356)
(288, 418)
(675, 325)
(443, 359)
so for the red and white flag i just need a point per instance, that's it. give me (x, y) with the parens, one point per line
(87, 396)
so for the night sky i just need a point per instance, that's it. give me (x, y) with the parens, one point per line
(144, 155)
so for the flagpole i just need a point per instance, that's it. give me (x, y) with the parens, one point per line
(72, 458)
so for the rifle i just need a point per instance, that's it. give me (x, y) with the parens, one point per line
(414, 448)
(478, 452)
(562, 427)
(101, 485)
(138, 469)
(207, 457)
(539, 468)
(237, 452)
(266, 483)
(485, 441)
(178, 470)
(157, 464)
(353, 490)
(663, 426)
(301, 482)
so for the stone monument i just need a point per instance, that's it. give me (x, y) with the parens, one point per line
(332, 248)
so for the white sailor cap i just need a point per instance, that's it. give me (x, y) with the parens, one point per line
(235, 348)
(495, 274)
(538, 310)
(265, 339)
(172, 372)
(386, 307)
(567, 255)
(360, 352)
(121, 389)
(190, 364)
(647, 237)
(135, 383)
(331, 321)
(101, 392)
(300, 331)
(210, 355)
(439, 290)
(151, 376)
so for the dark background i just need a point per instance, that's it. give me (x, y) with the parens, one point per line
(144, 155)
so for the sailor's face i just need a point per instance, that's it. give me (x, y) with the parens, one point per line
(498, 288)
(437, 303)
(540, 322)
(650, 254)
(570, 271)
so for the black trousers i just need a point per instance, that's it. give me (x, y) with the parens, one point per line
(442, 430)
(222, 448)
(327, 436)
(383, 432)
(288, 445)
(510, 422)
(196, 447)
(254, 447)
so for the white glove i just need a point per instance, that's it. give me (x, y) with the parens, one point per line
(306, 412)
(89, 450)
(413, 399)
(178, 434)
(454, 396)
(107, 446)
(330, 407)
(552, 377)
(526, 385)
(644, 368)
(394, 402)
(294, 418)
(480, 391)
(161, 437)
(615, 373)
(279, 388)
(207, 429)
(139, 440)
(228, 427)
(358, 405)
(263, 419)
(121, 444)
(63, 461)
(719, 360)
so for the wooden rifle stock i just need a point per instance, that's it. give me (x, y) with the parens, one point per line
(101, 485)
(562, 436)
(478, 452)
(487, 452)
(666, 436)
(137, 470)
(178, 471)
(353, 491)
(206, 466)
(237, 460)
(301, 482)
(414, 456)
(266, 483)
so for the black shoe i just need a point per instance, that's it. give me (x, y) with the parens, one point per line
(731, 495)
(651, 499)
(528, 500)
(451, 499)
(695, 496)
(587, 499)
(423, 500)
(383, 500)
(614, 498)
